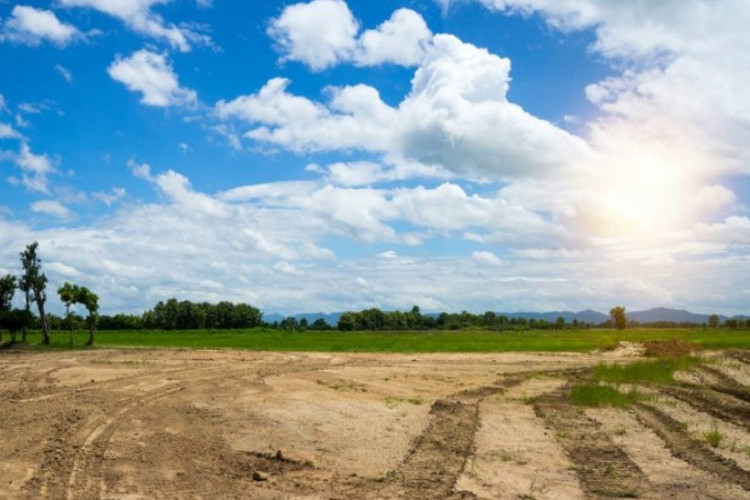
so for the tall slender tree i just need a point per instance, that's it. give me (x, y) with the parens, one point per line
(90, 301)
(68, 295)
(36, 282)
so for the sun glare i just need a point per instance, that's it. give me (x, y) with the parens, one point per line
(643, 199)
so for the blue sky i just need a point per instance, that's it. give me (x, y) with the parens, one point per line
(331, 155)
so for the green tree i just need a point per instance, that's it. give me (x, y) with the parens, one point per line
(36, 282)
(289, 323)
(619, 318)
(90, 301)
(320, 324)
(68, 295)
(347, 322)
(713, 321)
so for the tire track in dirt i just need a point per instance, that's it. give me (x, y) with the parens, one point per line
(86, 479)
(113, 383)
(714, 403)
(725, 383)
(438, 456)
(76, 452)
(117, 383)
(739, 355)
(78, 442)
(88, 464)
(74, 443)
(603, 468)
(682, 446)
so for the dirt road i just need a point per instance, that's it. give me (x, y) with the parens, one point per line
(132, 424)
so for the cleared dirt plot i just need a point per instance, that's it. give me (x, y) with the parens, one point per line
(174, 424)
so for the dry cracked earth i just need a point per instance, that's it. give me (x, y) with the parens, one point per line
(143, 424)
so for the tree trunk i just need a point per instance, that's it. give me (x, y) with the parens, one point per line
(91, 333)
(70, 322)
(27, 296)
(43, 318)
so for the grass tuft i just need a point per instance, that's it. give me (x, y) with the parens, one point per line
(714, 437)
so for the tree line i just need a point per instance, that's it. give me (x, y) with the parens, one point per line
(375, 319)
(187, 315)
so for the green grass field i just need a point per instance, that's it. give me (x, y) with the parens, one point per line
(407, 342)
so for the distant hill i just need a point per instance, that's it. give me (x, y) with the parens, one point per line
(664, 314)
(653, 315)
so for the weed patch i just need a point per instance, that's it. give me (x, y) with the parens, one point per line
(714, 437)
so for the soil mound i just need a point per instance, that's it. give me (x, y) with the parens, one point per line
(672, 348)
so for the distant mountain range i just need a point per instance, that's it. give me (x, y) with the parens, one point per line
(588, 316)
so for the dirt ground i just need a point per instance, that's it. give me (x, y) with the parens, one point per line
(143, 424)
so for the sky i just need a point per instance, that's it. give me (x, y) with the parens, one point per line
(331, 155)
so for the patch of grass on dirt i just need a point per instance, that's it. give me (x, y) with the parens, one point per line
(616, 493)
(598, 396)
(644, 372)
(714, 437)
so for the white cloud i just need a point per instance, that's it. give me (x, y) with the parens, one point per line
(152, 75)
(140, 170)
(29, 108)
(176, 188)
(456, 118)
(269, 192)
(486, 258)
(735, 230)
(35, 169)
(53, 208)
(711, 199)
(323, 33)
(403, 39)
(319, 33)
(286, 268)
(139, 16)
(8, 132)
(64, 72)
(3, 105)
(32, 26)
(362, 173)
(111, 197)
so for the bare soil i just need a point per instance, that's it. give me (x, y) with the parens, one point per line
(183, 424)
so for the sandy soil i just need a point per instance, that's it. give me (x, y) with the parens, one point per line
(141, 424)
